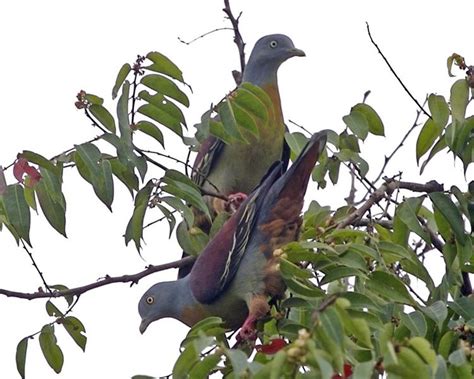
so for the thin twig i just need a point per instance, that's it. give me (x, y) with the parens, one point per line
(202, 35)
(395, 74)
(35, 265)
(151, 160)
(300, 126)
(387, 159)
(134, 278)
(239, 41)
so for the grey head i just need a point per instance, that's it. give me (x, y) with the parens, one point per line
(267, 55)
(159, 301)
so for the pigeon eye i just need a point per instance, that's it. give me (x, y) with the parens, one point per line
(273, 44)
(150, 300)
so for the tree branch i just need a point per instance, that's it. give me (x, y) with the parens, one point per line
(387, 188)
(133, 279)
(395, 74)
(239, 41)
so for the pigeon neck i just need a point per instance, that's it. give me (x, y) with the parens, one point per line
(261, 74)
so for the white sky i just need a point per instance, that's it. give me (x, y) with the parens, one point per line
(52, 49)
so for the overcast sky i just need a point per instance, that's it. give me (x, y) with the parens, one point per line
(52, 49)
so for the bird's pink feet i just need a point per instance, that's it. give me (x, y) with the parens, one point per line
(247, 331)
(234, 201)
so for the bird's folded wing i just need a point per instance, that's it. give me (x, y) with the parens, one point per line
(217, 265)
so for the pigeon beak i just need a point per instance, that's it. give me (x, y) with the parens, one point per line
(297, 52)
(143, 325)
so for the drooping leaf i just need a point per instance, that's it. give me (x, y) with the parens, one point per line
(389, 286)
(451, 214)
(172, 111)
(122, 115)
(416, 322)
(17, 211)
(407, 211)
(165, 86)
(375, 122)
(459, 99)
(357, 123)
(124, 174)
(76, 330)
(439, 145)
(430, 131)
(439, 110)
(51, 351)
(103, 116)
(41, 161)
(164, 65)
(20, 356)
(162, 117)
(296, 141)
(134, 229)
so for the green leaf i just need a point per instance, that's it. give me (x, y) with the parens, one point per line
(375, 122)
(340, 272)
(446, 343)
(162, 117)
(430, 131)
(424, 350)
(93, 99)
(440, 145)
(451, 213)
(182, 187)
(439, 110)
(103, 116)
(152, 130)
(437, 311)
(122, 75)
(122, 115)
(172, 113)
(416, 322)
(183, 209)
(390, 287)
(51, 351)
(192, 240)
(124, 174)
(168, 215)
(96, 171)
(357, 122)
(166, 87)
(52, 310)
(239, 361)
(205, 366)
(75, 328)
(41, 161)
(459, 99)
(17, 211)
(363, 370)
(229, 121)
(164, 65)
(60, 287)
(289, 270)
(408, 213)
(20, 356)
(134, 229)
(253, 100)
(303, 287)
(463, 306)
(296, 141)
